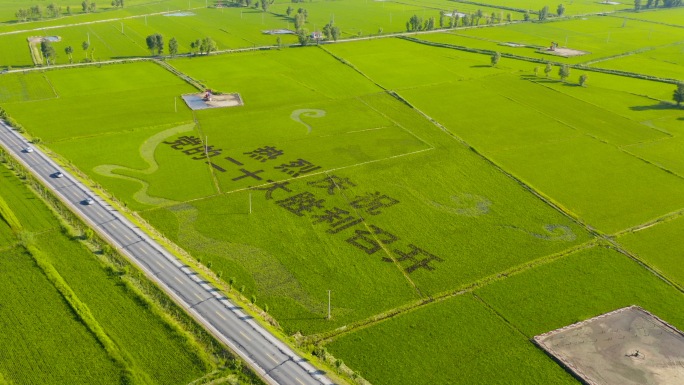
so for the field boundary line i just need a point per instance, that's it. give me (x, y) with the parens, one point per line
(465, 288)
(210, 165)
(500, 316)
(633, 256)
(195, 83)
(394, 121)
(630, 53)
(662, 219)
(648, 21)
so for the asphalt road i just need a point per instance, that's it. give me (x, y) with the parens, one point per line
(269, 357)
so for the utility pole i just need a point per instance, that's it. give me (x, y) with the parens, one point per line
(122, 28)
(250, 203)
(329, 316)
(175, 103)
(88, 33)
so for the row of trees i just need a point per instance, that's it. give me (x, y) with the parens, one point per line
(656, 3)
(455, 19)
(155, 43)
(36, 12)
(88, 7)
(544, 12)
(53, 10)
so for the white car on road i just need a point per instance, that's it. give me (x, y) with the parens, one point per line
(28, 150)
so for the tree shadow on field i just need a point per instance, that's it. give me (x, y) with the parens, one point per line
(657, 106)
(481, 66)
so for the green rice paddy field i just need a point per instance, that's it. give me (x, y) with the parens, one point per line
(474, 205)
(44, 340)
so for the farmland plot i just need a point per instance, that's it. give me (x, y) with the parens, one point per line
(579, 287)
(657, 247)
(42, 340)
(457, 341)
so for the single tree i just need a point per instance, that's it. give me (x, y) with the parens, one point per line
(560, 10)
(526, 16)
(442, 19)
(85, 6)
(637, 5)
(583, 80)
(54, 10)
(509, 17)
(68, 10)
(155, 42)
(48, 51)
(544, 13)
(85, 45)
(415, 23)
(338, 364)
(548, 69)
(173, 46)
(335, 32)
(478, 16)
(536, 71)
(195, 45)
(649, 3)
(69, 50)
(36, 12)
(466, 20)
(429, 24)
(299, 21)
(678, 95)
(22, 15)
(279, 42)
(495, 58)
(564, 72)
(303, 37)
(289, 10)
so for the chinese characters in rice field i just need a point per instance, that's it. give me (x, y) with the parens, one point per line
(350, 223)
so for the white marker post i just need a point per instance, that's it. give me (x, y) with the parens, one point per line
(329, 316)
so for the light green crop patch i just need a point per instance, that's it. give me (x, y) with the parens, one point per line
(26, 87)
